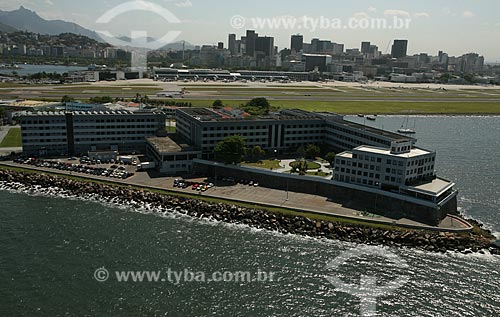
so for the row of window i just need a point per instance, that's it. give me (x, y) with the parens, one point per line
(348, 179)
(262, 127)
(357, 133)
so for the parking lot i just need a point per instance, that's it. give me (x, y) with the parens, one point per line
(111, 169)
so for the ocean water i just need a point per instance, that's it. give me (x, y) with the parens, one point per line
(50, 249)
(29, 69)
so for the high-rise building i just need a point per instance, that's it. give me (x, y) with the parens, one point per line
(314, 46)
(297, 44)
(265, 45)
(399, 48)
(231, 44)
(365, 47)
(220, 45)
(337, 49)
(250, 42)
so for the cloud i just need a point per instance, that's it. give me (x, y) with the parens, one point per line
(468, 14)
(372, 9)
(49, 2)
(422, 15)
(395, 12)
(361, 15)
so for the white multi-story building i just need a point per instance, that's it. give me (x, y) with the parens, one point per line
(382, 167)
(402, 169)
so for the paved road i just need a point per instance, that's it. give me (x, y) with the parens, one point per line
(8, 150)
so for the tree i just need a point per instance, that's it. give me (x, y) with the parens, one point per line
(302, 151)
(470, 78)
(67, 98)
(257, 107)
(231, 150)
(256, 153)
(312, 151)
(445, 78)
(217, 104)
(101, 100)
(330, 158)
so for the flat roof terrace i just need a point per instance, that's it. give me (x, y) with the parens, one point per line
(208, 115)
(435, 187)
(372, 130)
(414, 152)
(167, 145)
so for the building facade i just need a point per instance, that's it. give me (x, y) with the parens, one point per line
(399, 49)
(280, 132)
(76, 133)
(172, 156)
(400, 168)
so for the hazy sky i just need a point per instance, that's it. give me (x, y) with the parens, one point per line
(455, 26)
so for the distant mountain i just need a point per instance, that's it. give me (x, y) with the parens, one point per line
(26, 20)
(7, 28)
(174, 46)
(177, 46)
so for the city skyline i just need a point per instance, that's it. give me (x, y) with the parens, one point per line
(449, 22)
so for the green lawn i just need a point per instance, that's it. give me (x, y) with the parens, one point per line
(171, 129)
(374, 107)
(267, 164)
(12, 139)
(310, 165)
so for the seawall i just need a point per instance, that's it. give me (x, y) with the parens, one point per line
(377, 203)
(258, 218)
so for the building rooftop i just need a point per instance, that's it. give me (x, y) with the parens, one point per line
(205, 115)
(414, 152)
(392, 135)
(345, 155)
(435, 187)
(86, 113)
(168, 145)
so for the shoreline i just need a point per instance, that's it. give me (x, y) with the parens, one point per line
(259, 218)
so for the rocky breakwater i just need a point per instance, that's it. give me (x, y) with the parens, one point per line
(287, 224)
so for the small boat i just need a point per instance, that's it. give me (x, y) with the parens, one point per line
(405, 129)
(371, 118)
(361, 115)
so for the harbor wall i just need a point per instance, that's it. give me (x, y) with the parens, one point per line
(374, 201)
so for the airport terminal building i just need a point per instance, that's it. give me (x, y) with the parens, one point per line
(77, 133)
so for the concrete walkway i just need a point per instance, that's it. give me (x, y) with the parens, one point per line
(268, 197)
(285, 167)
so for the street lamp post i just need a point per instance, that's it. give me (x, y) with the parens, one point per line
(287, 192)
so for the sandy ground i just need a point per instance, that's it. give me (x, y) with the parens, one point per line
(294, 84)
